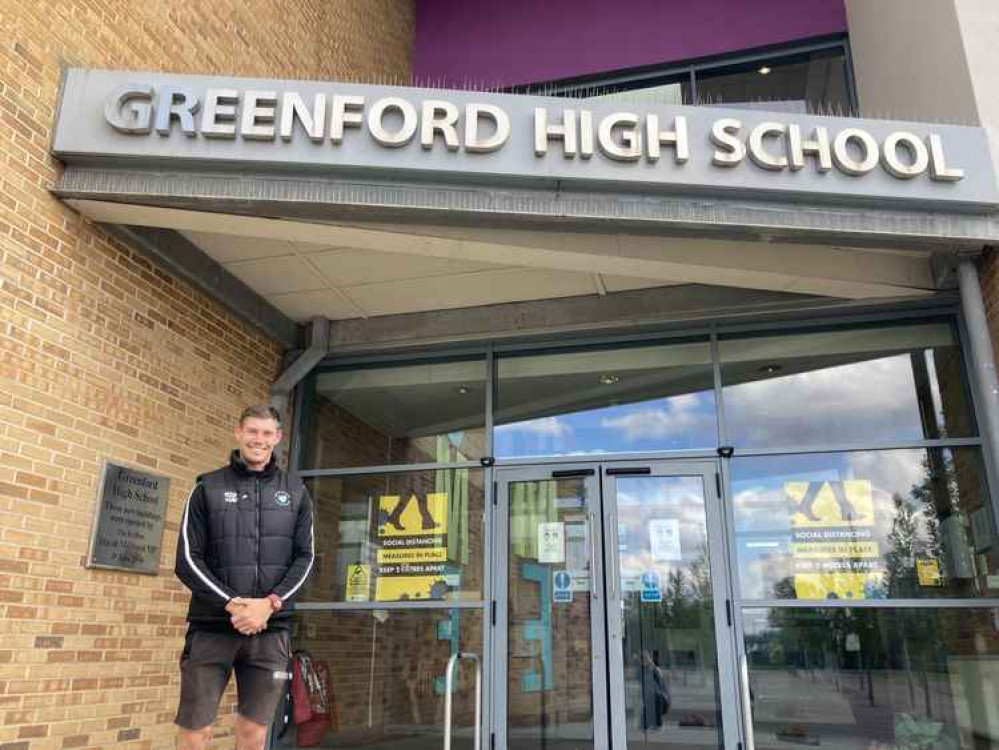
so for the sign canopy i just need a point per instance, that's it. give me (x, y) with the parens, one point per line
(316, 130)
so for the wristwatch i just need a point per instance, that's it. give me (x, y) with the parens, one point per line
(276, 603)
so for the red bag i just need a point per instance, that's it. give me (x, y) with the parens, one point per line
(313, 706)
(301, 710)
(311, 733)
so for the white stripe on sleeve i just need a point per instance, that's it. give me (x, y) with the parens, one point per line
(187, 550)
(312, 557)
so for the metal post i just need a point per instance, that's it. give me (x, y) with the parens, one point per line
(984, 379)
(295, 372)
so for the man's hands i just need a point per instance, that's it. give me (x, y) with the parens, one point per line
(249, 616)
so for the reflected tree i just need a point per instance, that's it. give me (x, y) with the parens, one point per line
(900, 557)
(938, 494)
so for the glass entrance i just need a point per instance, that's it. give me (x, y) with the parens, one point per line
(616, 629)
(554, 695)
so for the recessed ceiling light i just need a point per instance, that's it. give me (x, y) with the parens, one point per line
(608, 378)
(764, 70)
(771, 369)
(463, 390)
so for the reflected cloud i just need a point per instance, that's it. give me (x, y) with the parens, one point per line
(762, 509)
(545, 426)
(849, 402)
(678, 415)
(889, 471)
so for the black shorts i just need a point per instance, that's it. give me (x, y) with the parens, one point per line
(209, 658)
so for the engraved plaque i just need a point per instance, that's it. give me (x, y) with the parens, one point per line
(128, 526)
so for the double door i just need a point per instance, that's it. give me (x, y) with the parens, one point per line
(617, 630)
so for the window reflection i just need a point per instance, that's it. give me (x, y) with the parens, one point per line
(637, 398)
(914, 679)
(803, 82)
(807, 82)
(386, 678)
(864, 525)
(668, 644)
(663, 92)
(394, 537)
(845, 386)
(418, 413)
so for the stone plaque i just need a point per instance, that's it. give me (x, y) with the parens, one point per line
(128, 525)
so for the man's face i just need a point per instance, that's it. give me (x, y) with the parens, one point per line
(256, 439)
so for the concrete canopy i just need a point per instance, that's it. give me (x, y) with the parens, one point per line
(370, 269)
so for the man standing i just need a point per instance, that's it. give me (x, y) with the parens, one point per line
(246, 548)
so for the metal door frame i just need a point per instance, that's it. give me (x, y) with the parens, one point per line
(607, 669)
(728, 685)
(504, 477)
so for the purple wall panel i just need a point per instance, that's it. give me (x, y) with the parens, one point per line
(511, 42)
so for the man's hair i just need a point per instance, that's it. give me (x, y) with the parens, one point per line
(260, 411)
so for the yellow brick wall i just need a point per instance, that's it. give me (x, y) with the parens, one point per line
(102, 355)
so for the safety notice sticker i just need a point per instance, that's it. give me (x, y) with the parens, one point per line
(664, 539)
(651, 587)
(551, 542)
(561, 587)
(358, 583)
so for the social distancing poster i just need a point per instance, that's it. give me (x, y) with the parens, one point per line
(412, 553)
(834, 552)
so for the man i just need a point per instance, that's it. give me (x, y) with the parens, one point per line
(245, 549)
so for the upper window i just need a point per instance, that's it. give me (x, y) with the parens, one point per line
(424, 412)
(811, 79)
(610, 400)
(845, 386)
(666, 91)
(804, 82)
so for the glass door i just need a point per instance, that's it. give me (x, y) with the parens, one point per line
(614, 621)
(669, 628)
(550, 665)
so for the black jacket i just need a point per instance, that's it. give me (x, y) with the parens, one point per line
(244, 533)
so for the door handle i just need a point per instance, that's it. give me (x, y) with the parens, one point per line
(615, 575)
(747, 703)
(593, 556)
(449, 684)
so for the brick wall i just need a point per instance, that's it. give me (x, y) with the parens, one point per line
(102, 355)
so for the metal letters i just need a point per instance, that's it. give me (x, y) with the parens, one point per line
(393, 122)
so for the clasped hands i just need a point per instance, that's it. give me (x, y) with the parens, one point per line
(249, 616)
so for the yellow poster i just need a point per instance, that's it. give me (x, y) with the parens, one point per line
(831, 504)
(358, 583)
(412, 554)
(928, 573)
(829, 585)
(834, 550)
(412, 514)
(409, 587)
(420, 554)
(835, 554)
